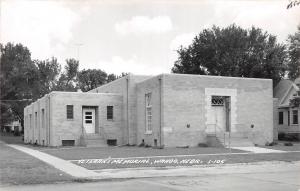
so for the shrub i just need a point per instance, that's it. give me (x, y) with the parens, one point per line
(202, 145)
(281, 136)
(271, 144)
(288, 144)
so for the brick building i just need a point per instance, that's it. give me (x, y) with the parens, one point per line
(168, 110)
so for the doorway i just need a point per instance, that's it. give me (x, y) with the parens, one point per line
(220, 112)
(89, 120)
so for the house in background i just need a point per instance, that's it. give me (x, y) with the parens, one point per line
(170, 110)
(288, 116)
(14, 126)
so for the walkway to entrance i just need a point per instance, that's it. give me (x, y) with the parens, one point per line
(258, 150)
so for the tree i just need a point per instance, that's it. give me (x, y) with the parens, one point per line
(294, 55)
(48, 70)
(18, 81)
(233, 51)
(90, 79)
(111, 77)
(68, 80)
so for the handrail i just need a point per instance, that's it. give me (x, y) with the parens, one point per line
(83, 135)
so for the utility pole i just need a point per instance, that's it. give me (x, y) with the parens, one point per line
(78, 50)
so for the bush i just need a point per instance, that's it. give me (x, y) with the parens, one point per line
(202, 145)
(288, 144)
(281, 136)
(271, 144)
(288, 136)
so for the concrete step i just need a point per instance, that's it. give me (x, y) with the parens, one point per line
(96, 143)
(213, 141)
(93, 136)
(239, 142)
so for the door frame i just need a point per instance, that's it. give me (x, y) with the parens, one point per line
(96, 117)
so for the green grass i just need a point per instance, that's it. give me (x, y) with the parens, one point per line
(17, 168)
(206, 160)
(126, 151)
(11, 139)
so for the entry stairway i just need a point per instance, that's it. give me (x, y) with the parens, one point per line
(94, 140)
(220, 138)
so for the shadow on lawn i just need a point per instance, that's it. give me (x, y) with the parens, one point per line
(9, 138)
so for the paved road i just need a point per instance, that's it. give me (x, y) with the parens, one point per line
(254, 179)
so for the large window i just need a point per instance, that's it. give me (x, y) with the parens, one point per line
(280, 118)
(148, 113)
(295, 116)
(110, 112)
(70, 112)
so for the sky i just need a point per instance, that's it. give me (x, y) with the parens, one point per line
(136, 36)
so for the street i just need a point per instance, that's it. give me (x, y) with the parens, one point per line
(261, 177)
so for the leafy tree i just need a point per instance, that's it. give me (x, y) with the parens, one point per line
(48, 70)
(233, 51)
(18, 81)
(111, 77)
(68, 80)
(90, 79)
(294, 55)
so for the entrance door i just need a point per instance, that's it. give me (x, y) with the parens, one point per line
(219, 117)
(89, 120)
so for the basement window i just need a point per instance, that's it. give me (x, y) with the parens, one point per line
(70, 112)
(112, 142)
(68, 142)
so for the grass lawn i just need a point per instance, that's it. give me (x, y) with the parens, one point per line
(11, 139)
(191, 160)
(123, 152)
(17, 167)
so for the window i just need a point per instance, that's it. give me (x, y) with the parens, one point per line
(69, 111)
(35, 120)
(295, 116)
(43, 118)
(148, 113)
(288, 118)
(280, 118)
(30, 120)
(217, 101)
(110, 112)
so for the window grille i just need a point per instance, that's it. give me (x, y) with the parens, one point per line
(217, 101)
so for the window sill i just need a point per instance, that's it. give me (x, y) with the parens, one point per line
(148, 132)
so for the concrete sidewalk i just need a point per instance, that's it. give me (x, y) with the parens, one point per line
(81, 172)
(275, 176)
(63, 165)
(258, 150)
